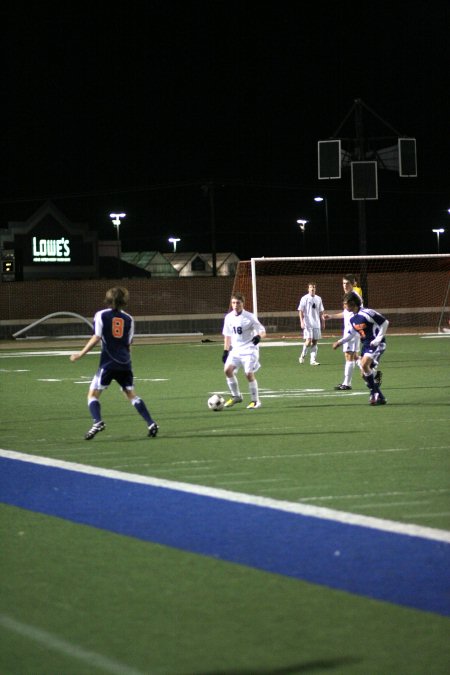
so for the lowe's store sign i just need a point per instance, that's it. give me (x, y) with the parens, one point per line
(50, 246)
(51, 250)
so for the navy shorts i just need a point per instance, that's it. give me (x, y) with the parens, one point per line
(103, 378)
(375, 352)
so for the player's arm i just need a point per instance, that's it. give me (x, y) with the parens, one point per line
(350, 335)
(382, 330)
(256, 339)
(335, 315)
(260, 331)
(226, 347)
(90, 344)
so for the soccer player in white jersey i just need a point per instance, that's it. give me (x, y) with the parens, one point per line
(242, 333)
(114, 328)
(350, 348)
(310, 311)
(371, 326)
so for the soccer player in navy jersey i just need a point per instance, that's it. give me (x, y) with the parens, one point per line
(371, 326)
(115, 329)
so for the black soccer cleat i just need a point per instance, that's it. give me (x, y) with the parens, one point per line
(98, 426)
(153, 430)
(377, 399)
(343, 387)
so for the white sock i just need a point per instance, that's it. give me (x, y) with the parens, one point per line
(233, 385)
(314, 351)
(348, 372)
(253, 389)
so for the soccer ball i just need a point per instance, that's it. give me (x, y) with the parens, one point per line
(216, 402)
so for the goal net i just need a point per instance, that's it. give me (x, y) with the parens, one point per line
(411, 290)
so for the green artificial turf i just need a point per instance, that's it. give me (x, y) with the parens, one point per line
(145, 608)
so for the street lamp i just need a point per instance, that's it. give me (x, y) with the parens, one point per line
(438, 232)
(116, 221)
(116, 217)
(174, 241)
(325, 201)
(302, 224)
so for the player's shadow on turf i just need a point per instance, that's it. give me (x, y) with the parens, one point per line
(295, 669)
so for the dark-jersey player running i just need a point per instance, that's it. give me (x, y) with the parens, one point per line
(371, 326)
(115, 329)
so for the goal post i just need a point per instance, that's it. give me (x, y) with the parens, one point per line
(411, 290)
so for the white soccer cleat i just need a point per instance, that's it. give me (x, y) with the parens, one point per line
(253, 405)
(315, 363)
(301, 359)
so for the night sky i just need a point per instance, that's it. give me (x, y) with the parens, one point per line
(138, 108)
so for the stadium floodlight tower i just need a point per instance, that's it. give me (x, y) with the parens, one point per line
(438, 231)
(174, 241)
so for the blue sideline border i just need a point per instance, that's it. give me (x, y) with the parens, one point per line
(397, 568)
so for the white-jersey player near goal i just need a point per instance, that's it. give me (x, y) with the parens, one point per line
(351, 348)
(310, 310)
(242, 333)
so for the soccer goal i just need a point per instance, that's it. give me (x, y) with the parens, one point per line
(411, 290)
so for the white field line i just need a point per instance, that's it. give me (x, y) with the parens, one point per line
(265, 343)
(432, 515)
(56, 644)
(167, 466)
(60, 352)
(378, 494)
(237, 497)
(421, 502)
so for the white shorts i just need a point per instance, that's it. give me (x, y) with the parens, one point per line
(248, 360)
(352, 346)
(312, 333)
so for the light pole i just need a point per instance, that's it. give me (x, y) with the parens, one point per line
(325, 202)
(302, 224)
(116, 218)
(174, 241)
(116, 221)
(438, 231)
